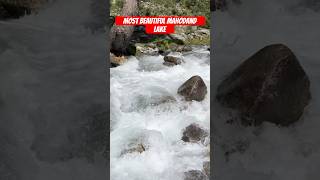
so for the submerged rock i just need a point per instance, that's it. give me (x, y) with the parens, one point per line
(137, 142)
(171, 60)
(193, 89)
(194, 133)
(135, 148)
(269, 86)
(206, 168)
(195, 175)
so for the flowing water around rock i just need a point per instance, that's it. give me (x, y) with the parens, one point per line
(146, 109)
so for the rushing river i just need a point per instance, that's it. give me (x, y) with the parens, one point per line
(146, 108)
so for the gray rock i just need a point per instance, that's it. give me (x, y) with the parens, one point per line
(170, 60)
(194, 133)
(193, 89)
(134, 148)
(195, 175)
(269, 86)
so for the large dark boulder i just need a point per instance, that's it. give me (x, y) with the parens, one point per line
(193, 89)
(269, 86)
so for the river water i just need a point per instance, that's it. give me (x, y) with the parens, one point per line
(140, 112)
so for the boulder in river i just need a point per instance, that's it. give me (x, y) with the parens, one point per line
(270, 86)
(194, 133)
(193, 89)
(195, 175)
(171, 60)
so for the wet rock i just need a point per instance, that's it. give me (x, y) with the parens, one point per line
(138, 142)
(195, 175)
(171, 60)
(142, 102)
(135, 148)
(164, 52)
(194, 133)
(193, 89)
(169, 64)
(206, 168)
(117, 60)
(270, 86)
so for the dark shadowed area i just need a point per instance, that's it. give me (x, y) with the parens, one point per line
(53, 93)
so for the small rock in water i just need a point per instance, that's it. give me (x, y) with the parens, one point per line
(206, 168)
(139, 148)
(171, 60)
(193, 89)
(117, 61)
(270, 86)
(194, 133)
(195, 175)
